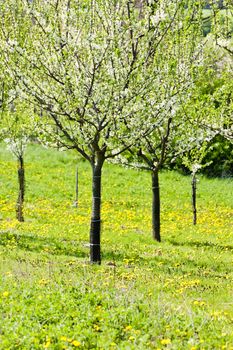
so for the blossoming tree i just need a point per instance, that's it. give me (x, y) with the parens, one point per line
(174, 75)
(84, 64)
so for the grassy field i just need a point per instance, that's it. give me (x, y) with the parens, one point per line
(177, 294)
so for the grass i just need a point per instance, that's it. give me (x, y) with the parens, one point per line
(146, 295)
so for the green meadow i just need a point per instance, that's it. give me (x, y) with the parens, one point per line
(177, 294)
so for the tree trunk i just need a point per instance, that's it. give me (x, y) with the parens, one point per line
(76, 189)
(95, 254)
(20, 200)
(194, 197)
(155, 206)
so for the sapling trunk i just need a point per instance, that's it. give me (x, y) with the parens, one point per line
(76, 189)
(155, 206)
(21, 180)
(194, 197)
(95, 253)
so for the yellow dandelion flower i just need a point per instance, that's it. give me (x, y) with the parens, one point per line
(76, 343)
(5, 294)
(202, 303)
(62, 338)
(96, 327)
(165, 341)
(43, 282)
(47, 344)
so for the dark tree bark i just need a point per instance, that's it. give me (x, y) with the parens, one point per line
(194, 198)
(20, 200)
(156, 206)
(95, 229)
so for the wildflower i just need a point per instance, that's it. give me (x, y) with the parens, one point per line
(47, 344)
(165, 341)
(202, 303)
(127, 328)
(76, 343)
(5, 294)
(62, 338)
(43, 282)
(199, 302)
(96, 327)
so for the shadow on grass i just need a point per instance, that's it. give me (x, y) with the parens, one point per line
(72, 248)
(78, 249)
(199, 244)
(42, 244)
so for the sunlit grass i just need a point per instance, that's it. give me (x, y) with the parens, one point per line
(173, 295)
